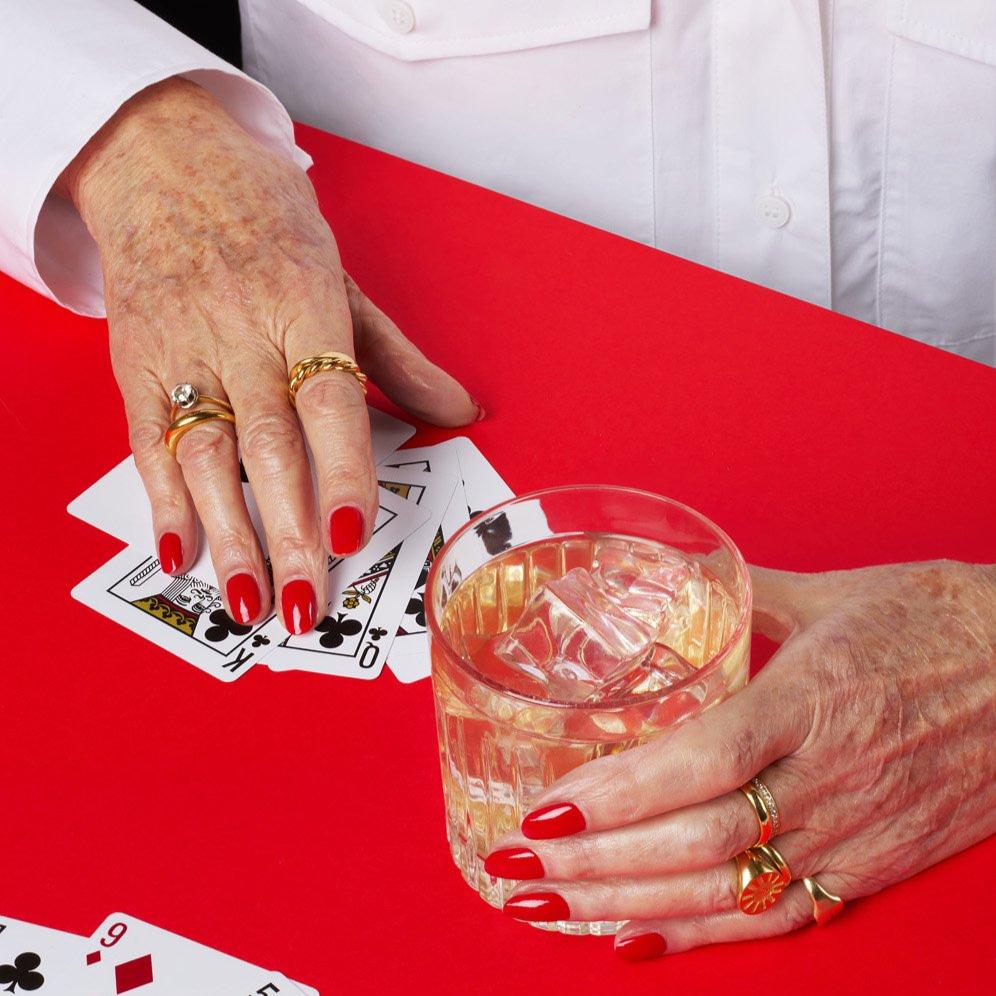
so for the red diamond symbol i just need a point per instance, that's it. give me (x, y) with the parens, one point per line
(133, 974)
(93, 957)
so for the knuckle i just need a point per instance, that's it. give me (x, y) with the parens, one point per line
(621, 793)
(332, 393)
(272, 441)
(737, 752)
(720, 836)
(293, 549)
(721, 890)
(581, 857)
(145, 436)
(204, 446)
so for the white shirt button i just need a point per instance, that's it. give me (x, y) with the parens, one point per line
(399, 16)
(772, 210)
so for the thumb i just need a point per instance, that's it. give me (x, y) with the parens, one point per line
(401, 371)
(785, 602)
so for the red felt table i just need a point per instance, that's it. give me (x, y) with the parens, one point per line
(296, 820)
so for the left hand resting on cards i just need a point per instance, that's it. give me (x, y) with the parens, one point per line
(220, 271)
(873, 727)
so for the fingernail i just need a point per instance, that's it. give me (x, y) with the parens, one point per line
(641, 947)
(480, 410)
(514, 862)
(297, 604)
(560, 819)
(243, 597)
(539, 906)
(170, 552)
(345, 530)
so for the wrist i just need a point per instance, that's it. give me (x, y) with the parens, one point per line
(128, 147)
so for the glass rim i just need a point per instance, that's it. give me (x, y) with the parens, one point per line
(436, 633)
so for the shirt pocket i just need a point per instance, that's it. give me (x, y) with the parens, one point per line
(938, 262)
(435, 29)
(546, 100)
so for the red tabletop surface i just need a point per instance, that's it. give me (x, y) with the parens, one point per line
(296, 820)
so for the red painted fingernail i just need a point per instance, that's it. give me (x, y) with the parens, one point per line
(345, 530)
(297, 603)
(170, 552)
(480, 410)
(514, 862)
(540, 906)
(557, 820)
(641, 947)
(243, 597)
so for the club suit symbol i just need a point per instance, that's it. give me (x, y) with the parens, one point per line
(223, 626)
(23, 975)
(416, 608)
(335, 631)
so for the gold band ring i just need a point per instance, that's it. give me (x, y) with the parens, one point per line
(322, 363)
(765, 809)
(762, 875)
(825, 904)
(179, 427)
(202, 399)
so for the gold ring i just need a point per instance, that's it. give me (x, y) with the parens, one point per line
(762, 875)
(178, 427)
(185, 396)
(203, 399)
(322, 363)
(765, 808)
(825, 904)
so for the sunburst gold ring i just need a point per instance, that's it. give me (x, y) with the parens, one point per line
(762, 876)
(322, 363)
(825, 904)
(765, 809)
(179, 427)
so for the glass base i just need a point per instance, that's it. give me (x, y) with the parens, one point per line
(494, 891)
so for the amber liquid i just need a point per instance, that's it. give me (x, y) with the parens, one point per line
(503, 739)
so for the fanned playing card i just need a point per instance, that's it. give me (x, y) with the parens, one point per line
(126, 955)
(117, 504)
(368, 606)
(480, 488)
(185, 614)
(40, 960)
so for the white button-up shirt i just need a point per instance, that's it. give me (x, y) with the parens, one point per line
(842, 151)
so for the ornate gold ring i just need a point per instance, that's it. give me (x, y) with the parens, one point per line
(322, 363)
(765, 809)
(762, 875)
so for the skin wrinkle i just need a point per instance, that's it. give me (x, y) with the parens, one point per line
(217, 265)
(892, 676)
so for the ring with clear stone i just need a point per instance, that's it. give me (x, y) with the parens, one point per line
(186, 396)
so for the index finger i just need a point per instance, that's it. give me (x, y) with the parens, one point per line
(708, 756)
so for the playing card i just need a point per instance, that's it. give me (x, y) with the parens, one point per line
(182, 614)
(367, 607)
(480, 488)
(40, 959)
(482, 484)
(409, 655)
(126, 955)
(117, 504)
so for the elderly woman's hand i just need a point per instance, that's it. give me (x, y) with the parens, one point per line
(220, 271)
(873, 726)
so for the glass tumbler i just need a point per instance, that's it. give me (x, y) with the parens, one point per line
(505, 732)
